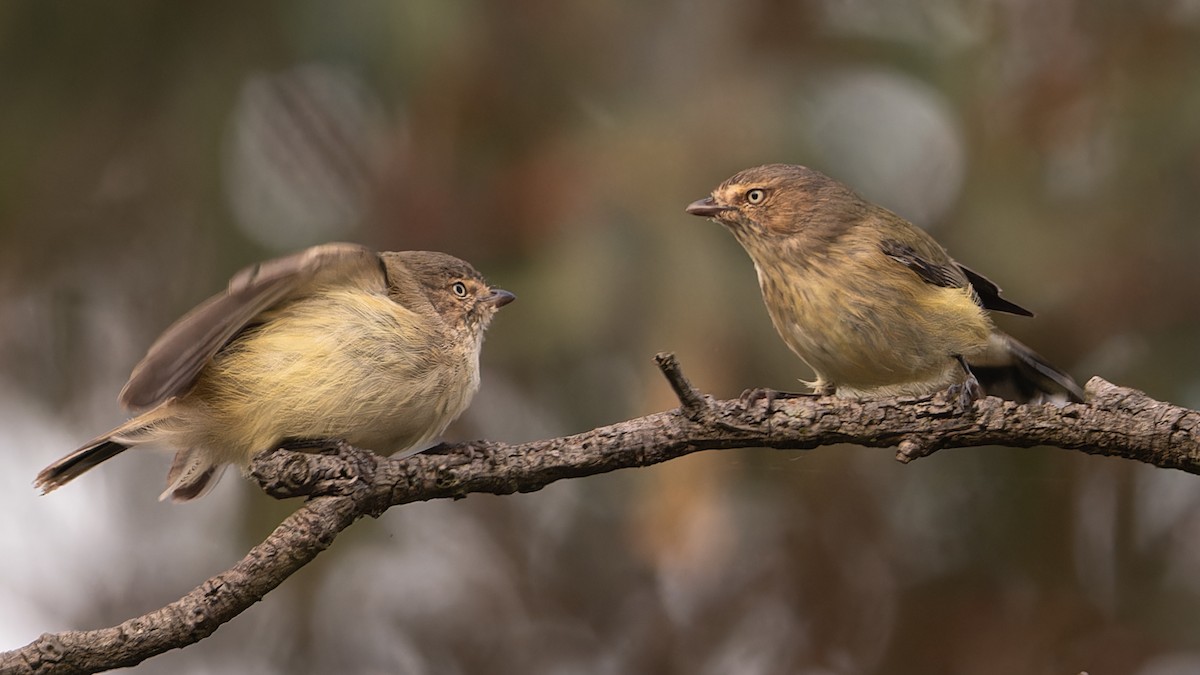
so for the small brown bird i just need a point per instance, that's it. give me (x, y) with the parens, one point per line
(869, 301)
(336, 342)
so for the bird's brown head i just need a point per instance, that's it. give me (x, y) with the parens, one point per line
(455, 290)
(779, 201)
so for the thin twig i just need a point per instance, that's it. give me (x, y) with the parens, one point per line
(691, 401)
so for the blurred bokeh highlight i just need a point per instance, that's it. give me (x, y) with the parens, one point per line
(148, 150)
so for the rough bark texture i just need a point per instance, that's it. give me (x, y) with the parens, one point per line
(347, 483)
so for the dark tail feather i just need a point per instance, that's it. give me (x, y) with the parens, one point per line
(1023, 375)
(70, 467)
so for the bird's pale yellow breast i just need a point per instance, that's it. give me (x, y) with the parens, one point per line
(344, 364)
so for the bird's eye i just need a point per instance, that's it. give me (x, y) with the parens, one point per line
(756, 196)
(459, 288)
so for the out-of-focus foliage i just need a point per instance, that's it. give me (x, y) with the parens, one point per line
(149, 149)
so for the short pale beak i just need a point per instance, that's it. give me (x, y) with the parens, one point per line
(707, 208)
(499, 297)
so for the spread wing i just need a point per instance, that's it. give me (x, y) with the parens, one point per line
(176, 358)
(950, 274)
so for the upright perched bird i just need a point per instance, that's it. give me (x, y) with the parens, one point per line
(869, 301)
(336, 342)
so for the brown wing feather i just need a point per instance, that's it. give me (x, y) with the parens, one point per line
(951, 274)
(176, 358)
(946, 275)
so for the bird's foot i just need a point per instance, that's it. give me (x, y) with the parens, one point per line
(321, 446)
(313, 467)
(440, 449)
(965, 393)
(750, 397)
(968, 391)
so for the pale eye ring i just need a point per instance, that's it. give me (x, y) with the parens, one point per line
(755, 196)
(459, 289)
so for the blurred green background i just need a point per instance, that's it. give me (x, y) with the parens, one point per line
(150, 149)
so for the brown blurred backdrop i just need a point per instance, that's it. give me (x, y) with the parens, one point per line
(150, 149)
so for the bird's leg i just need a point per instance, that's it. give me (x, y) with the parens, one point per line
(968, 391)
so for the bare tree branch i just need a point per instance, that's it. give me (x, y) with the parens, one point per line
(347, 483)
